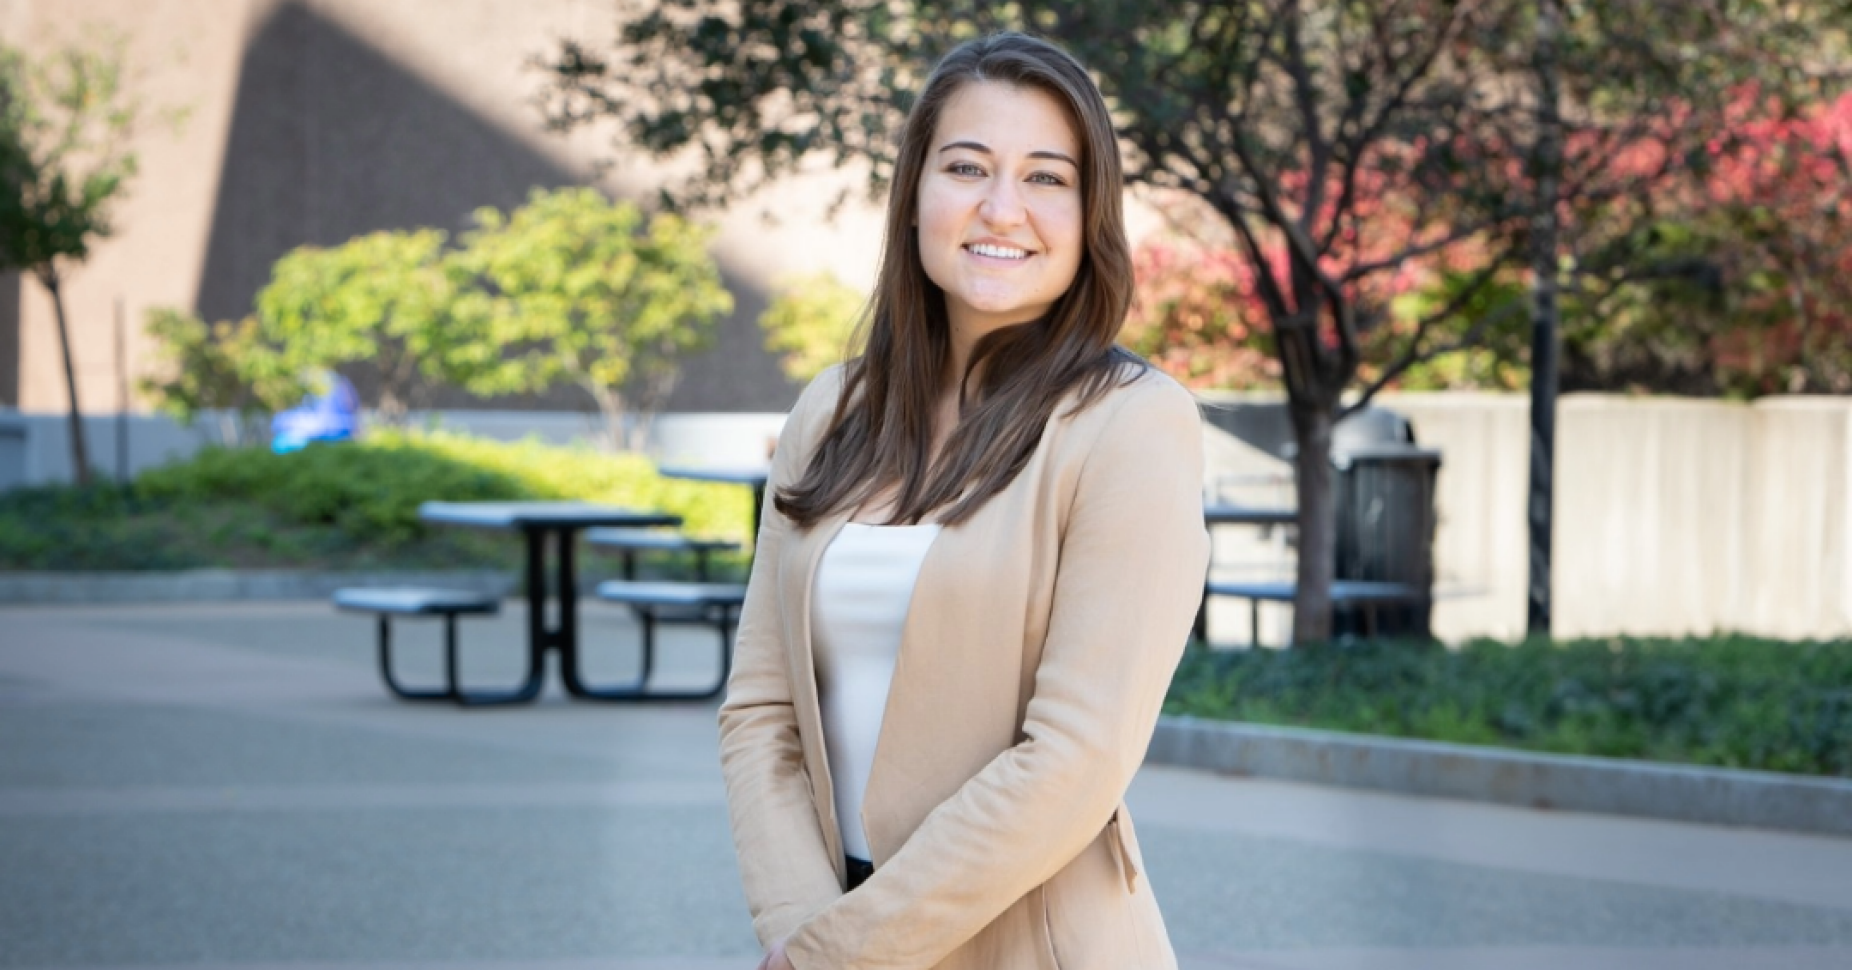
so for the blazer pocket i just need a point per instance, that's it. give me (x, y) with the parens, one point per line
(1122, 854)
(1049, 955)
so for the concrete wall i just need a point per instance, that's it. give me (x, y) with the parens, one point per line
(35, 448)
(311, 121)
(1671, 516)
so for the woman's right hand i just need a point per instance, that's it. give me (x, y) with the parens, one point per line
(775, 960)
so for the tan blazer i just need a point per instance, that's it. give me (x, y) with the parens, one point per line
(1042, 635)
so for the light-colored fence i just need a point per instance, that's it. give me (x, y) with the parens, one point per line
(1671, 516)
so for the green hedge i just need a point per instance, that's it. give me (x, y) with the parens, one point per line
(1730, 701)
(372, 489)
(343, 504)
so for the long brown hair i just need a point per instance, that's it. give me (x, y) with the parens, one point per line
(881, 431)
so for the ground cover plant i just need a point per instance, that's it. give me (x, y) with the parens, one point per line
(1730, 700)
(341, 505)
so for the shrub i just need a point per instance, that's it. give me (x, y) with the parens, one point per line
(372, 489)
(1731, 701)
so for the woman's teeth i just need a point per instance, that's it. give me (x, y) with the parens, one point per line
(998, 252)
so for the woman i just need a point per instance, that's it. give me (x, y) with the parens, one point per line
(978, 570)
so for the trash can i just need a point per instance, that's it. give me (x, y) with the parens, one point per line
(1385, 531)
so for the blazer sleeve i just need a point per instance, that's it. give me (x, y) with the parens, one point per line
(1127, 585)
(785, 868)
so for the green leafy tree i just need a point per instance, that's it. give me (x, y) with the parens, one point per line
(65, 124)
(573, 287)
(810, 323)
(202, 370)
(1339, 143)
(384, 298)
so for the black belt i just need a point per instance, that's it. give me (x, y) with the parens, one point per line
(859, 871)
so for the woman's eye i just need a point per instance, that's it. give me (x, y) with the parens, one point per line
(1047, 178)
(964, 168)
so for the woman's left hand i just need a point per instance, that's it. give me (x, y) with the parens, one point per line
(775, 960)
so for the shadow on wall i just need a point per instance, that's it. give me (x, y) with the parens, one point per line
(330, 138)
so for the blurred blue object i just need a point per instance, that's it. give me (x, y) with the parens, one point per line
(333, 415)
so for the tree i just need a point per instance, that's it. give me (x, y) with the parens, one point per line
(1340, 143)
(810, 323)
(1335, 141)
(65, 124)
(1626, 100)
(1764, 231)
(383, 298)
(574, 287)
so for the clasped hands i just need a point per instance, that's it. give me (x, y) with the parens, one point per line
(775, 958)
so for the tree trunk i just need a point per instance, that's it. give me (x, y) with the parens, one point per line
(611, 407)
(1318, 546)
(1544, 311)
(80, 455)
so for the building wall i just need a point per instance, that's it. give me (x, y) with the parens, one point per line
(311, 121)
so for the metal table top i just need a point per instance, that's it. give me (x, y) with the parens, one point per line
(1220, 514)
(755, 477)
(527, 515)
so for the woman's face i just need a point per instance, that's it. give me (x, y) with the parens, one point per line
(1000, 206)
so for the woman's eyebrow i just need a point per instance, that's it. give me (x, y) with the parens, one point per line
(985, 149)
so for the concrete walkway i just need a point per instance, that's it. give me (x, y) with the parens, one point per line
(229, 786)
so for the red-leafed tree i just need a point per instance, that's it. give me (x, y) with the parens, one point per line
(1337, 143)
(1764, 234)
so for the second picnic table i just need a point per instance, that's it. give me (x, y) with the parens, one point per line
(756, 477)
(536, 521)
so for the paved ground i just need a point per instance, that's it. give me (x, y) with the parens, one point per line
(228, 786)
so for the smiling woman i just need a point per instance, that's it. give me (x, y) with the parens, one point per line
(978, 568)
(1000, 208)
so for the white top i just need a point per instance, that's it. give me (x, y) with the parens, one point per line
(864, 583)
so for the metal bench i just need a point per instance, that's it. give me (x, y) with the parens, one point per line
(1365, 595)
(630, 542)
(710, 604)
(386, 603)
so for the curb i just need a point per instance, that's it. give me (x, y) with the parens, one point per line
(192, 585)
(1616, 786)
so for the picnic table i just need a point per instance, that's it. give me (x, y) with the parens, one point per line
(1224, 513)
(537, 521)
(756, 477)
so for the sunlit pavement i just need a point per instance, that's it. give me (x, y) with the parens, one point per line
(228, 785)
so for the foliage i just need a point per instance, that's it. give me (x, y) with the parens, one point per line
(1194, 317)
(1738, 281)
(343, 505)
(113, 527)
(201, 368)
(383, 298)
(575, 287)
(1731, 701)
(809, 325)
(65, 124)
(371, 489)
(1340, 144)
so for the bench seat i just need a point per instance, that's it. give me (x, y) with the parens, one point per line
(1366, 595)
(413, 601)
(391, 601)
(716, 605)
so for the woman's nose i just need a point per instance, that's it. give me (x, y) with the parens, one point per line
(1003, 205)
